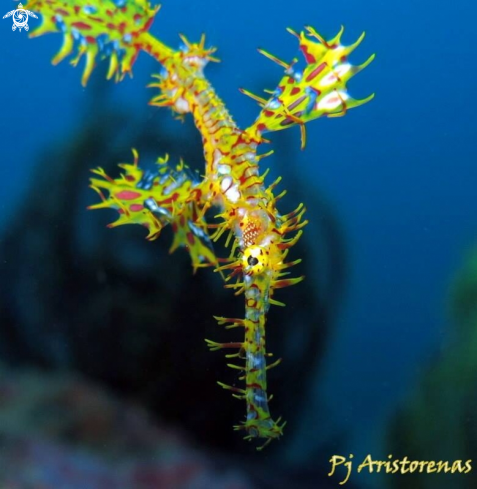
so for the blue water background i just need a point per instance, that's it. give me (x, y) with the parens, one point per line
(400, 172)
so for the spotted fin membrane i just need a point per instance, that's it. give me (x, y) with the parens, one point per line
(318, 90)
(154, 199)
(96, 29)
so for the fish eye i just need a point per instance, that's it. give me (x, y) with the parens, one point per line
(254, 260)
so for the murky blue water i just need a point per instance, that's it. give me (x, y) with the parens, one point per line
(398, 176)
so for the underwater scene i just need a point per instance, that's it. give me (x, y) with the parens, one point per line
(238, 245)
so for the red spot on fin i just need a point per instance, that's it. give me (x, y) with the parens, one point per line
(128, 195)
(309, 57)
(190, 238)
(136, 207)
(316, 72)
(297, 102)
(81, 25)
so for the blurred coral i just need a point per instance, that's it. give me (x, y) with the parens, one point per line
(59, 432)
(440, 421)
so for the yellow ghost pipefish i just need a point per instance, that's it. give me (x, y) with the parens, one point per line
(261, 237)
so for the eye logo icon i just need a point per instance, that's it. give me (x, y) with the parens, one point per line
(20, 17)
